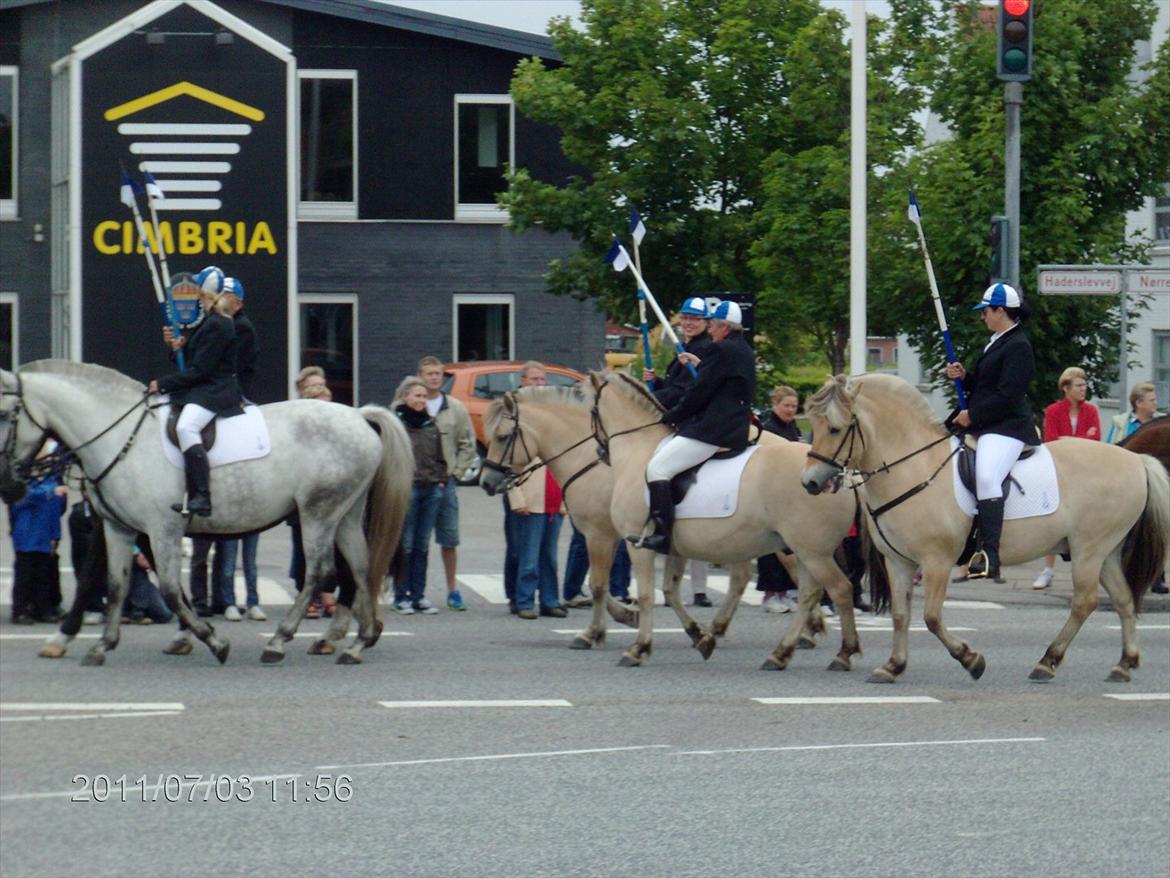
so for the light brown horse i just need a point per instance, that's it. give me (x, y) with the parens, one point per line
(554, 425)
(1152, 437)
(772, 514)
(1113, 518)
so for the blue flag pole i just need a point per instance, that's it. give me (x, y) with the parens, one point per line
(620, 260)
(915, 213)
(638, 230)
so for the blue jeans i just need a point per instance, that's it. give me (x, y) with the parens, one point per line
(536, 549)
(511, 555)
(227, 569)
(416, 537)
(144, 599)
(577, 566)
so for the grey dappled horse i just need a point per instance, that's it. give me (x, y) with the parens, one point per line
(326, 459)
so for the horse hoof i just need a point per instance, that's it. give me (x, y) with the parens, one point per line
(628, 661)
(1118, 675)
(839, 664)
(322, 647)
(94, 659)
(1041, 674)
(348, 658)
(52, 649)
(806, 642)
(881, 675)
(222, 652)
(271, 656)
(378, 626)
(770, 664)
(580, 642)
(977, 666)
(178, 647)
(706, 646)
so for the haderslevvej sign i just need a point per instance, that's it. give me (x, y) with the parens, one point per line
(209, 121)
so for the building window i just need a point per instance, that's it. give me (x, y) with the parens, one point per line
(484, 150)
(8, 141)
(329, 340)
(1161, 370)
(483, 327)
(9, 338)
(1162, 216)
(328, 154)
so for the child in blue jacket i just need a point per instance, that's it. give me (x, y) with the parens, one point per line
(36, 530)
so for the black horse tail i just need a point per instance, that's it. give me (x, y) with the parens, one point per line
(875, 566)
(1148, 542)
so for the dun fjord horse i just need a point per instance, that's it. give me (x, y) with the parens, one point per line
(1113, 518)
(556, 428)
(325, 461)
(771, 515)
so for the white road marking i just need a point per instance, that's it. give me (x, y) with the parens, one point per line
(482, 702)
(493, 757)
(270, 634)
(96, 705)
(1142, 627)
(851, 699)
(183, 784)
(1140, 696)
(722, 585)
(136, 714)
(862, 746)
(916, 629)
(619, 630)
(489, 586)
(972, 605)
(45, 636)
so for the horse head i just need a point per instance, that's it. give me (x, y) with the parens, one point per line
(835, 435)
(502, 432)
(12, 487)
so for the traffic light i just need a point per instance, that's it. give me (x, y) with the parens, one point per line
(1000, 249)
(1014, 55)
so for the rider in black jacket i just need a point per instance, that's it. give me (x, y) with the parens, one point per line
(999, 412)
(714, 413)
(693, 317)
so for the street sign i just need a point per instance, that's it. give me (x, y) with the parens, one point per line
(1148, 280)
(1080, 281)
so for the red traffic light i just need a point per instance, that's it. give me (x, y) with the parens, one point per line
(1016, 7)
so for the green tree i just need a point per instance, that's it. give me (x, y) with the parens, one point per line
(1094, 144)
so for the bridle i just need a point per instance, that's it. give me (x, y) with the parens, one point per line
(603, 436)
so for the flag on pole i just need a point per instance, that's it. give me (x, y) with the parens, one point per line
(914, 210)
(637, 227)
(153, 190)
(128, 190)
(618, 257)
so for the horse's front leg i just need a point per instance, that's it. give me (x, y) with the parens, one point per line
(601, 550)
(642, 561)
(671, 578)
(57, 645)
(741, 572)
(841, 592)
(935, 576)
(167, 562)
(901, 577)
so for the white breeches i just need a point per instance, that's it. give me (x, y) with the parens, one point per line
(191, 422)
(679, 454)
(994, 457)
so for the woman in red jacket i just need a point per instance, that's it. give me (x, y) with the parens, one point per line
(1071, 416)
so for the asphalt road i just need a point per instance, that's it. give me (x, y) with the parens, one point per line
(672, 769)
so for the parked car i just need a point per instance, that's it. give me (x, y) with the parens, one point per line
(476, 384)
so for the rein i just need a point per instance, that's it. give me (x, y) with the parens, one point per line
(603, 436)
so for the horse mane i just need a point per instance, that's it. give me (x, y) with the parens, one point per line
(99, 378)
(635, 391)
(577, 396)
(837, 394)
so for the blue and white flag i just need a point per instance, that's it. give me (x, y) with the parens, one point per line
(153, 190)
(914, 211)
(127, 191)
(617, 256)
(637, 227)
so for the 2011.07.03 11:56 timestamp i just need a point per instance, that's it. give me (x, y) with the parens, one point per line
(213, 787)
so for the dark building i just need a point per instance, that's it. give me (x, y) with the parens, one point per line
(340, 157)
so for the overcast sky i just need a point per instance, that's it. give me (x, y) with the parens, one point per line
(532, 15)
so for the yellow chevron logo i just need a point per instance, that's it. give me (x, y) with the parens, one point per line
(184, 88)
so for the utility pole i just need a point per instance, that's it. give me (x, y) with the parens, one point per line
(1013, 97)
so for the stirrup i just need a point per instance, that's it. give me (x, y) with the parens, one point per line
(978, 566)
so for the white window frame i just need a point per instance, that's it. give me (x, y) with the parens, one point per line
(350, 299)
(8, 206)
(1156, 368)
(13, 299)
(508, 299)
(328, 210)
(482, 213)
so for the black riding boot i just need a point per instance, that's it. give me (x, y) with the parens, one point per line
(662, 514)
(198, 481)
(985, 563)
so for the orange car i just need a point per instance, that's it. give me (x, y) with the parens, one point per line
(477, 383)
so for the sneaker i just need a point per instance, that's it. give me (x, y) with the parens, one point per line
(141, 620)
(776, 604)
(701, 600)
(257, 615)
(93, 617)
(233, 614)
(528, 613)
(403, 608)
(581, 600)
(425, 607)
(1044, 579)
(555, 612)
(455, 601)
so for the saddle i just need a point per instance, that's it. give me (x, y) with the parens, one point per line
(685, 480)
(207, 434)
(967, 468)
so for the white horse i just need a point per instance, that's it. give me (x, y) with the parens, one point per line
(325, 462)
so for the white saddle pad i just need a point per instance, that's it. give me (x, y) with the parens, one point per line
(1037, 494)
(243, 437)
(715, 494)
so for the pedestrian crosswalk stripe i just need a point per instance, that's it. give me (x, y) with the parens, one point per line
(482, 702)
(489, 586)
(972, 605)
(851, 699)
(1139, 696)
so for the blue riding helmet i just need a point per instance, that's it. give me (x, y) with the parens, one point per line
(210, 280)
(233, 286)
(696, 306)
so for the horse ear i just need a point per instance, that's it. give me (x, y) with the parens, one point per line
(509, 403)
(595, 379)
